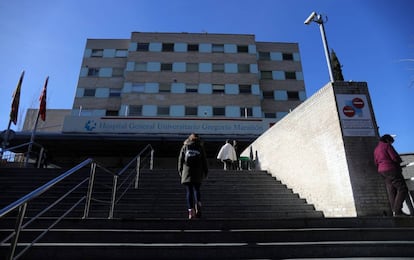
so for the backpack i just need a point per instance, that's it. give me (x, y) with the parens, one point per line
(192, 155)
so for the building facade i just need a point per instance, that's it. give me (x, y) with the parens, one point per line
(229, 80)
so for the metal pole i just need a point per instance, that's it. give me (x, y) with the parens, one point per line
(325, 46)
(32, 137)
(89, 192)
(152, 159)
(138, 166)
(114, 188)
(18, 228)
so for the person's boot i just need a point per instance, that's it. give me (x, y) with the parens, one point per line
(198, 209)
(191, 213)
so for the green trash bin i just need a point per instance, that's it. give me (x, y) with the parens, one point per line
(244, 162)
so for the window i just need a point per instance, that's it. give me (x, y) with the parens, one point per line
(245, 89)
(218, 111)
(121, 53)
(268, 95)
(166, 66)
(111, 113)
(287, 56)
(192, 47)
(168, 47)
(89, 92)
(93, 72)
(266, 75)
(191, 111)
(218, 67)
(218, 48)
(142, 46)
(114, 92)
(192, 67)
(246, 111)
(164, 88)
(290, 75)
(163, 111)
(138, 87)
(269, 115)
(97, 53)
(117, 72)
(218, 89)
(243, 48)
(191, 88)
(264, 55)
(293, 95)
(141, 66)
(243, 68)
(135, 110)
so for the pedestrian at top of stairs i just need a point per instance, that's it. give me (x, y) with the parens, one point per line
(193, 169)
(227, 155)
(388, 163)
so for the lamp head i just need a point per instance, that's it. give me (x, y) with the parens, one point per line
(310, 18)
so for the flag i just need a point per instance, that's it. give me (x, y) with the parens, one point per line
(16, 99)
(42, 99)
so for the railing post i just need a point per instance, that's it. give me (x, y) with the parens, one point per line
(89, 192)
(39, 159)
(19, 222)
(137, 169)
(152, 159)
(114, 185)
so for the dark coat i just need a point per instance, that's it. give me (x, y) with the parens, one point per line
(194, 174)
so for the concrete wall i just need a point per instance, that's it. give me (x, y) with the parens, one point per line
(308, 152)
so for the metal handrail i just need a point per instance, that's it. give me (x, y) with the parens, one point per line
(39, 191)
(136, 159)
(22, 203)
(41, 154)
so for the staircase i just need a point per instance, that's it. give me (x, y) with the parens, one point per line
(225, 195)
(246, 215)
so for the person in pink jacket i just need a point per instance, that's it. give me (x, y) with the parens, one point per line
(388, 163)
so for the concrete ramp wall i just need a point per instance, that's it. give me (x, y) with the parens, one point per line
(326, 157)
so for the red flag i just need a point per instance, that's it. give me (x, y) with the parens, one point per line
(42, 99)
(16, 100)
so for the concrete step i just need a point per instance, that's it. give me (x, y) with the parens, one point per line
(221, 239)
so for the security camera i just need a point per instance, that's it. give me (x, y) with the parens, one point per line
(310, 18)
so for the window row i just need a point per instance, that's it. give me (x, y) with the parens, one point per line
(192, 67)
(279, 95)
(175, 111)
(176, 88)
(208, 48)
(192, 47)
(106, 53)
(182, 111)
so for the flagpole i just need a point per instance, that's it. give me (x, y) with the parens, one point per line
(32, 137)
(40, 113)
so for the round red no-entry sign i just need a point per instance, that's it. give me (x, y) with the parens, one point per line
(348, 111)
(358, 102)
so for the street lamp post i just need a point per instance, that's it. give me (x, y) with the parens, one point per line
(317, 18)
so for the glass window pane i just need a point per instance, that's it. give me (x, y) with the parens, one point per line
(141, 46)
(192, 47)
(89, 92)
(218, 48)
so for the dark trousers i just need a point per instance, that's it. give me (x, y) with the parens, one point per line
(193, 194)
(396, 188)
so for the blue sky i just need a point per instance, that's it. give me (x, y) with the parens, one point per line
(372, 39)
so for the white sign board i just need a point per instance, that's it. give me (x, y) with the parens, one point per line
(355, 115)
(81, 124)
